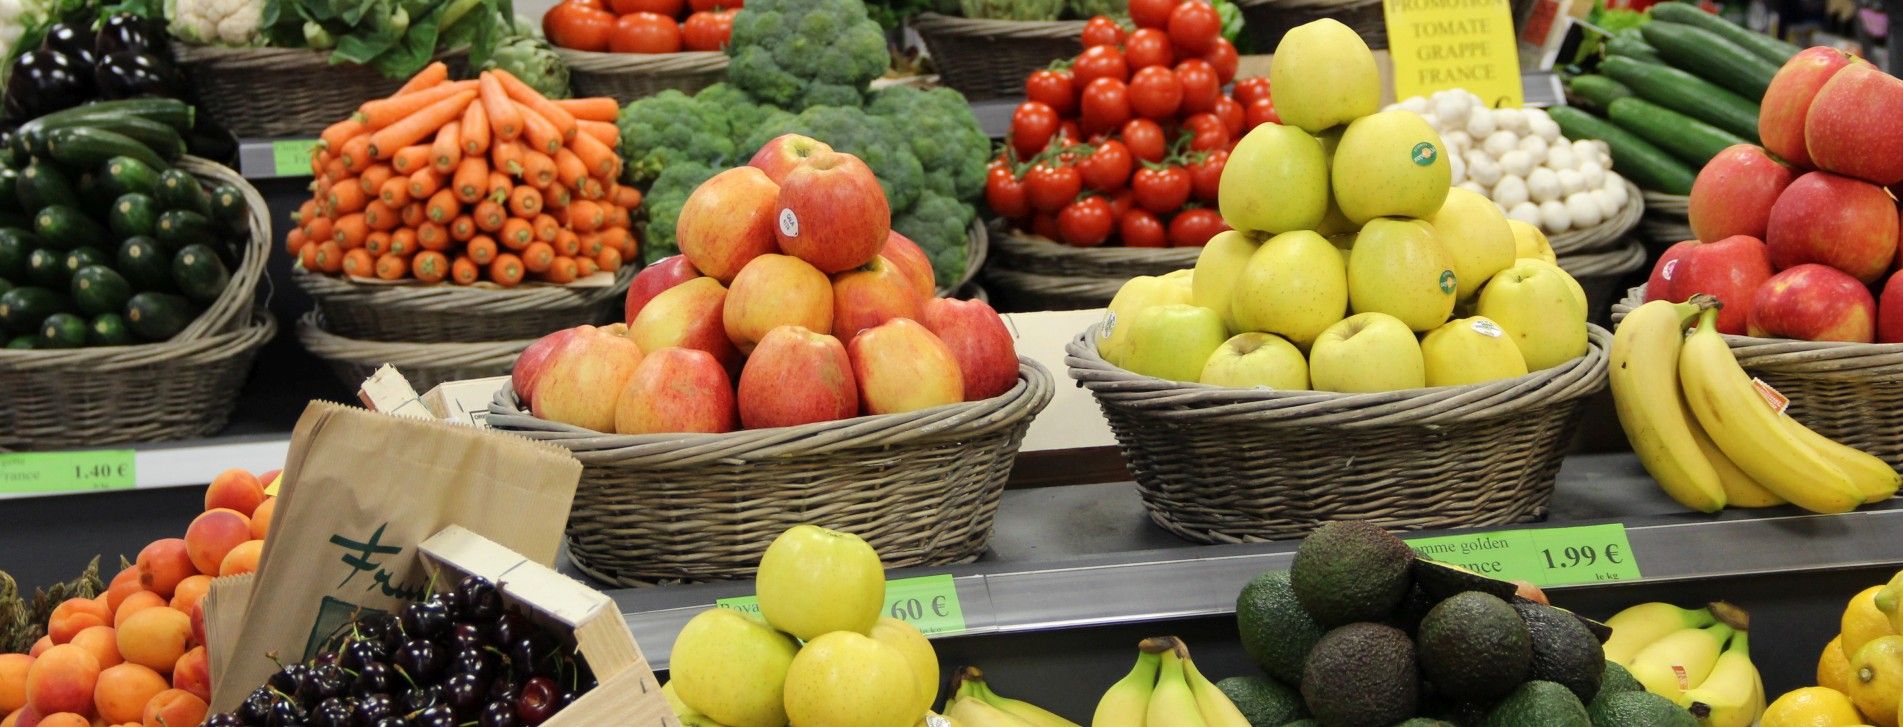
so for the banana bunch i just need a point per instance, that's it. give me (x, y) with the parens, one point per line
(1164, 689)
(1699, 658)
(1700, 426)
(975, 705)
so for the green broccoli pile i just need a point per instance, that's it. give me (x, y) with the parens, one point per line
(799, 53)
(669, 128)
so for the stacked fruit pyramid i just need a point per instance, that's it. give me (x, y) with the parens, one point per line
(1859, 673)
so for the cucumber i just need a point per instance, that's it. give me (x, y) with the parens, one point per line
(126, 175)
(228, 205)
(66, 227)
(159, 316)
(1597, 91)
(178, 228)
(85, 146)
(84, 256)
(133, 214)
(179, 190)
(10, 190)
(1764, 46)
(145, 265)
(43, 184)
(158, 137)
(1687, 94)
(23, 343)
(98, 289)
(1692, 141)
(108, 329)
(23, 309)
(1633, 45)
(1712, 58)
(63, 330)
(171, 112)
(15, 245)
(199, 274)
(1639, 160)
(46, 268)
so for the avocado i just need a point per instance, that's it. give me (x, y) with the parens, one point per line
(1444, 580)
(1362, 675)
(1639, 709)
(1475, 648)
(1265, 702)
(1563, 650)
(1615, 680)
(1276, 631)
(1351, 571)
(1539, 704)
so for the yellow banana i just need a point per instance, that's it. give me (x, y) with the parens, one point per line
(1680, 661)
(1748, 431)
(1637, 627)
(1740, 489)
(1732, 696)
(1215, 707)
(972, 683)
(1872, 476)
(1644, 373)
(1127, 702)
(1172, 704)
(969, 711)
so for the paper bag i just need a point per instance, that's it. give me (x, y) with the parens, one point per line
(360, 491)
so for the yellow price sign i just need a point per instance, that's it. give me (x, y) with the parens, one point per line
(1442, 44)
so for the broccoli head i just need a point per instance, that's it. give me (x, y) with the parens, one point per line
(664, 202)
(670, 128)
(944, 135)
(799, 53)
(743, 112)
(875, 140)
(938, 224)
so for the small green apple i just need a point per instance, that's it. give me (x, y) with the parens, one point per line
(732, 668)
(918, 653)
(1399, 267)
(1276, 181)
(813, 581)
(1390, 164)
(1217, 267)
(1367, 352)
(1173, 341)
(1253, 359)
(1529, 243)
(1470, 351)
(1539, 310)
(846, 679)
(1477, 235)
(1295, 285)
(1136, 294)
(1323, 75)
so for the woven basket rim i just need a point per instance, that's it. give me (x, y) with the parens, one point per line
(940, 24)
(1616, 261)
(1055, 286)
(448, 297)
(277, 58)
(1015, 243)
(1678, 203)
(258, 330)
(1607, 232)
(1790, 354)
(657, 64)
(332, 347)
(234, 303)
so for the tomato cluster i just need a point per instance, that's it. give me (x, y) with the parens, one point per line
(641, 26)
(1128, 140)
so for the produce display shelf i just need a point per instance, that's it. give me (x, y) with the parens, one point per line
(171, 464)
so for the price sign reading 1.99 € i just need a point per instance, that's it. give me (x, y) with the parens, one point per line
(1544, 557)
(928, 603)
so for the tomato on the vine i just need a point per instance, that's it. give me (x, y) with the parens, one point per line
(1102, 30)
(1195, 26)
(1044, 224)
(1193, 228)
(1151, 13)
(1205, 175)
(1148, 47)
(1232, 116)
(1251, 88)
(645, 33)
(1145, 139)
(1086, 222)
(1261, 111)
(1222, 56)
(1107, 169)
(1200, 87)
(579, 26)
(1140, 228)
(1155, 93)
(1052, 88)
(1103, 61)
(1069, 133)
(1161, 189)
(1051, 187)
(1106, 105)
(1125, 201)
(1032, 127)
(708, 30)
(1005, 193)
(1208, 133)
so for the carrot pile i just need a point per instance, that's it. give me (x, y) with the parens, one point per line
(467, 181)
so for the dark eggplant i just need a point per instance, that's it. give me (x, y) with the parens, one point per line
(129, 74)
(128, 32)
(73, 39)
(45, 81)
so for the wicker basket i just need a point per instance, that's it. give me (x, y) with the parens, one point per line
(1667, 220)
(423, 364)
(1602, 275)
(921, 487)
(278, 92)
(1607, 234)
(1029, 272)
(1220, 465)
(986, 59)
(628, 76)
(445, 313)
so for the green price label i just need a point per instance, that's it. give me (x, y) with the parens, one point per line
(928, 603)
(1547, 557)
(292, 157)
(40, 472)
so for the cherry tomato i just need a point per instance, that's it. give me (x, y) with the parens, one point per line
(1194, 27)
(1053, 89)
(701, 6)
(1107, 169)
(1161, 189)
(1051, 187)
(645, 33)
(1139, 228)
(1145, 139)
(1103, 61)
(1193, 228)
(669, 8)
(1086, 222)
(1102, 30)
(1155, 93)
(1148, 47)
(1125, 201)
(590, 4)
(1209, 132)
(1005, 193)
(1200, 87)
(1045, 225)
(1251, 88)
(578, 26)
(1151, 13)
(1223, 57)
(1069, 132)
(1105, 107)
(1232, 116)
(1261, 111)
(1032, 126)
(1205, 176)
(708, 30)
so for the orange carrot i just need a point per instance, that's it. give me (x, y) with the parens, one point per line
(405, 246)
(609, 260)
(538, 169)
(294, 240)
(517, 233)
(429, 236)
(481, 249)
(532, 101)
(319, 229)
(392, 267)
(618, 217)
(413, 213)
(499, 187)
(546, 227)
(351, 230)
(387, 112)
(424, 183)
(585, 266)
(602, 161)
(464, 271)
(430, 266)
(538, 257)
(409, 160)
(373, 178)
(329, 257)
(447, 151)
(471, 180)
(419, 125)
(462, 228)
(539, 133)
(562, 271)
(585, 216)
(506, 157)
(304, 211)
(489, 215)
(567, 242)
(598, 109)
(617, 238)
(395, 192)
(359, 264)
(380, 216)
(406, 238)
(307, 257)
(603, 131)
(505, 116)
(355, 153)
(431, 75)
(506, 270)
(377, 240)
(336, 134)
(556, 198)
(442, 207)
(475, 131)
(525, 202)
(624, 195)
(592, 243)
(569, 168)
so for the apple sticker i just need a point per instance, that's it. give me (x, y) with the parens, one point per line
(789, 223)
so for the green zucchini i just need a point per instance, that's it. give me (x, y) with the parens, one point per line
(133, 214)
(1687, 94)
(200, 275)
(228, 205)
(125, 175)
(23, 343)
(42, 184)
(1692, 141)
(83, 256)
(46, 268)
(22, 309)
(178, 228)
(1712, 58)
(66, 227)
(1633, 45)
(160, 138)
(63, 330)
(171, 112)
(10, 190)
(15, 245)
(98, 289)
(1764, 46)
(159, 316)
(179, 190)
(108, 329)
(85, 146)
(145, 265)
(1639, 160)
(1597, 91)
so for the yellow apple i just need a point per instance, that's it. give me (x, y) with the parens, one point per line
(1470, 351)
(1367, 352)
(1173, 341)
(1136, 294)
(1477, 235)
(1333, 221)
(1539, 310)
(1579, 292)
(813, 581)
(1217, 267)
(732, 668)
(1276, 181)
(1295, 286)
(1323, 75)
(1530, 243)
(846, 679)
(1254, 359)
(918, 654)
(1390, 164)
(1399, 267)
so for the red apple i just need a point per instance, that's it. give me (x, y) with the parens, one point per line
(1813, 302)
(785, 153)
(689, 315)
(583, 377)
(1730, 269)
(1734, 193)
(665, 273)
(1890, 311)
(1787, 102)
(902, 367)
(978, 339)
(533, 361)
(1847, 224)
(1661, 285)
(870, 295)
(1851, 126)
(905, 253)
(676, 390)
(797, 376)
(832, 213)
(774, 291)
(728, 221)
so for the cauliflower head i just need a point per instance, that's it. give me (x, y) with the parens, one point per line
(216, 22)
(670, 128)
(944, 135)
(796, 54)
(875, 140)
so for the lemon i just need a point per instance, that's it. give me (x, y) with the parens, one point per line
(1811, 707)
(1863, 622)
(1876, 678)
(1833, 666)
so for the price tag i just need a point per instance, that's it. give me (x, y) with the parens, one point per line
(1545, 557)
(34, 472)
(292, 157)
(929, 603)
(1443, 44)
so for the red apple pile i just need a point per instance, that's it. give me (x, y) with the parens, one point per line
(1794, 237)
(792, 302)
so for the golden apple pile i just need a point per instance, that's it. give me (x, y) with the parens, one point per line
(1353, 264)
(792, 302)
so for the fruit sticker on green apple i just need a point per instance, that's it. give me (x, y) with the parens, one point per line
(1173, 341)
(732, 668)
(1255, 359)
(1478, 237)
(1399, 267)
(1276, 180)
(1470, 351)
(1539, 310)
(1136, 294)
(1217, 267)
(1323, 75)
(1295, 286)
(1365, 353)
(1390, 164)
(848, 679)
(814, 581)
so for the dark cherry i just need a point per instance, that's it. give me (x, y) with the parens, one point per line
(504, 690)
(464, 694)
(321, 683)
(285, 713)
(498, 714)
(422, 660)
(438, 716)
(392, 721)
(257, 705)
(226, 719)
(473, 661)
(373, 708)
(468, 636)
(478, 599)
(526, 653)
(374, 678)
(327, 658)
(287, 678)
(426, 620)
(569, 698)
(538, 701)
(332, 712)
(417, 699)
(360, 652)
(511, 626)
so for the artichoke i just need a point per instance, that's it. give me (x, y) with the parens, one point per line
(1085, 9)
(532, 60)
(1012, 9)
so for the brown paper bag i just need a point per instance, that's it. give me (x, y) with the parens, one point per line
(360, 491)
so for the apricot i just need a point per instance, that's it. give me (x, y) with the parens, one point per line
(123, 585)
(155, 638)
(242, 559)
(192, 673)
(65, 719)
(174, 707)
(189, 592)
(62, 680)
(135, 603)
(163, 564)
(102, 642)
(261, 518)
(234, 489)
(13, 668)
(40, 647)
(124, 690)
(26, 717)
(13, 720)
(75, 615)
(212, 535)
(198, 623)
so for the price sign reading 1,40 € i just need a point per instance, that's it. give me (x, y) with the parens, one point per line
(1546, 557)
(929, 603)
(41, 472)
